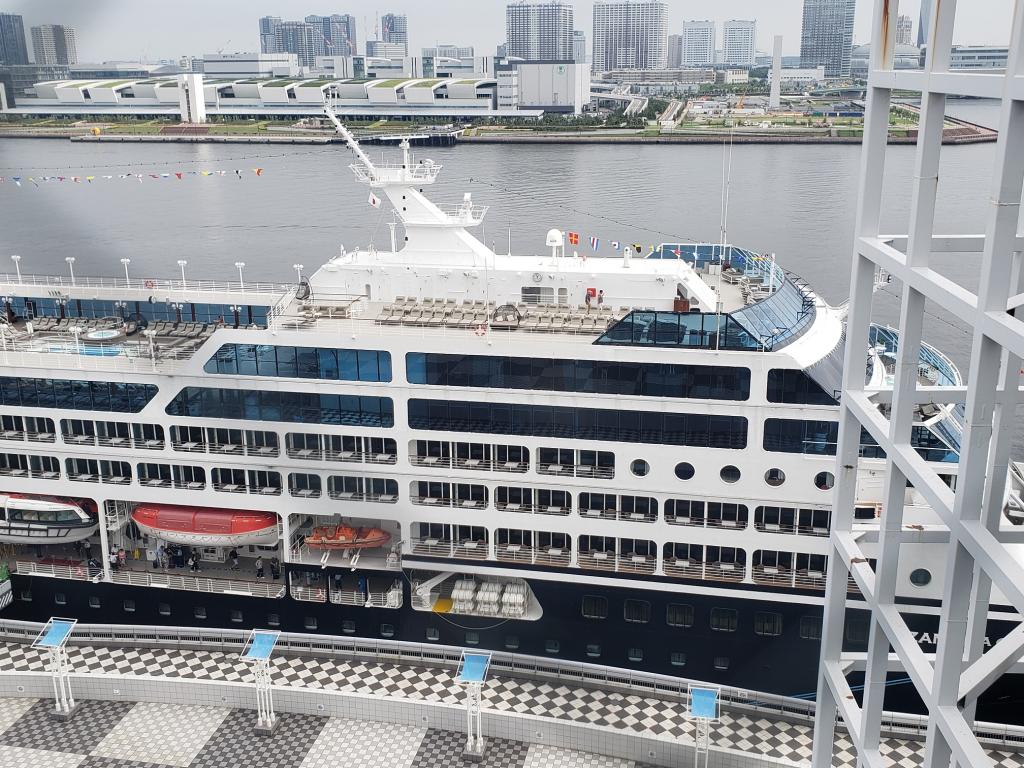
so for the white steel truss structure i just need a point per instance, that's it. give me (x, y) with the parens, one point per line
(978, 558)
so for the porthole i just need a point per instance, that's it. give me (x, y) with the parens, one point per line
(920, 577)
(730, 474)
(824, 481)
(775, 477)
(684, 470)
(640, 468)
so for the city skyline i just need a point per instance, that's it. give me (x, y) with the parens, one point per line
(107, 30)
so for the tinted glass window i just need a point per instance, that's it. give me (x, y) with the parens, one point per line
(76, 395)
(301, 362)
(724, 619)
(768, 624)
(595, 607)
(636, 611)
(579, 423)
(273, 405)
(594, 376)
(796, 388)
(679, 615)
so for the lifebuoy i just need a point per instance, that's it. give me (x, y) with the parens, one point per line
(150, 284)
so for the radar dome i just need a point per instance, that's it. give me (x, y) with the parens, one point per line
(555, 238)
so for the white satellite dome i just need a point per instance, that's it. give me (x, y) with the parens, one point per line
(555, 238)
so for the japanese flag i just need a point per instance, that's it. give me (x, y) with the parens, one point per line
(374, 200)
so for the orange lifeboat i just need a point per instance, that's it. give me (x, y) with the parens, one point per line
(346, 537)
(206, 526)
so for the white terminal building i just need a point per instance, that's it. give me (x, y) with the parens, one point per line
(259, 86)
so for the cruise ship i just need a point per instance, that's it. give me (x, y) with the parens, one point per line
(621, 461)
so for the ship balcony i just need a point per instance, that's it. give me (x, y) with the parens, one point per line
(576, 470)
(32, 437)
(378, 594)
(471, 549)
(780, 576)
(609, 560)
(332, 454)
(791, 529)
(538, 509)
(527, 555)
(231, 487)
(381, 458)
(692, 568)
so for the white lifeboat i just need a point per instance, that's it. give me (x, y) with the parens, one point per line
(45, 519)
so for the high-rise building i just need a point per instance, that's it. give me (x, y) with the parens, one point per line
(13, 50)
(675, 51)
(394, 29)
(269, 41)
(301, 38)
(698, 44)
(826, 38)
(579, 46)
(630, 34)
(449, 51)
(336, 34)
(384, 50)
(924, 22)
(54, 44)
(539, 31)
(904, 30)
(739, 42)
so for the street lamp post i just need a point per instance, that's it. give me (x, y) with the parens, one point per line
(17, 265)
(71, 267)
(298, 270)
(126, 261)
(240, 265)
(237, 312)
(182, 263)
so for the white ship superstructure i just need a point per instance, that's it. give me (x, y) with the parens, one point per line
(626, 460)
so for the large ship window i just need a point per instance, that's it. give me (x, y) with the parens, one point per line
(810, 627)
(594, 607)
(679, 615)
(724, 619)
(767, 624)
(636, 611)
(533, 294)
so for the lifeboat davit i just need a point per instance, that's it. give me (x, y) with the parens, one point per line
(206, 526)
(46, 519)
(346, 537)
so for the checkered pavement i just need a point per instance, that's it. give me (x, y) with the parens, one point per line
(768, 737)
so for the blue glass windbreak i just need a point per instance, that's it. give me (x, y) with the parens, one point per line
(780, 318)
(819, 438)
(301, 362)
(606, 377)
(691, 429)
(297, 407)
(694, 330)
(29, 307)
(75, 395)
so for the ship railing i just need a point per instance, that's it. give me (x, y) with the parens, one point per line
(73, 572)
(473, 549)
(141, 284)
(41, 437)
(467, 214)
(431, 501)
(189, 446)
(112, 441)
(227, 449)
(698, 569)
(304, 493)
(431, 461)
(389, 598)
(396, 173)
(432, 547)
(472, 463)
(305, 454)
(381, 458)
(45, 474)
(575, 470)
(342, 495)
(503, 663)
(513, 506)
(6, 593)
(675, 519)
(511, 466)
(380, 498)
(350, 456)
(558, 556)
(78, 438)
(638, 517)
(198, 584)
(599, 514)
(516, 553)
(791, 529)
(308, 594)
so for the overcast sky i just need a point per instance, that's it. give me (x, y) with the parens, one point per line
(152, 30)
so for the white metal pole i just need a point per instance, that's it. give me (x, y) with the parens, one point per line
(71, 267)
(182, 263)
(17, 265)
(125, 262)
(240, 265)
